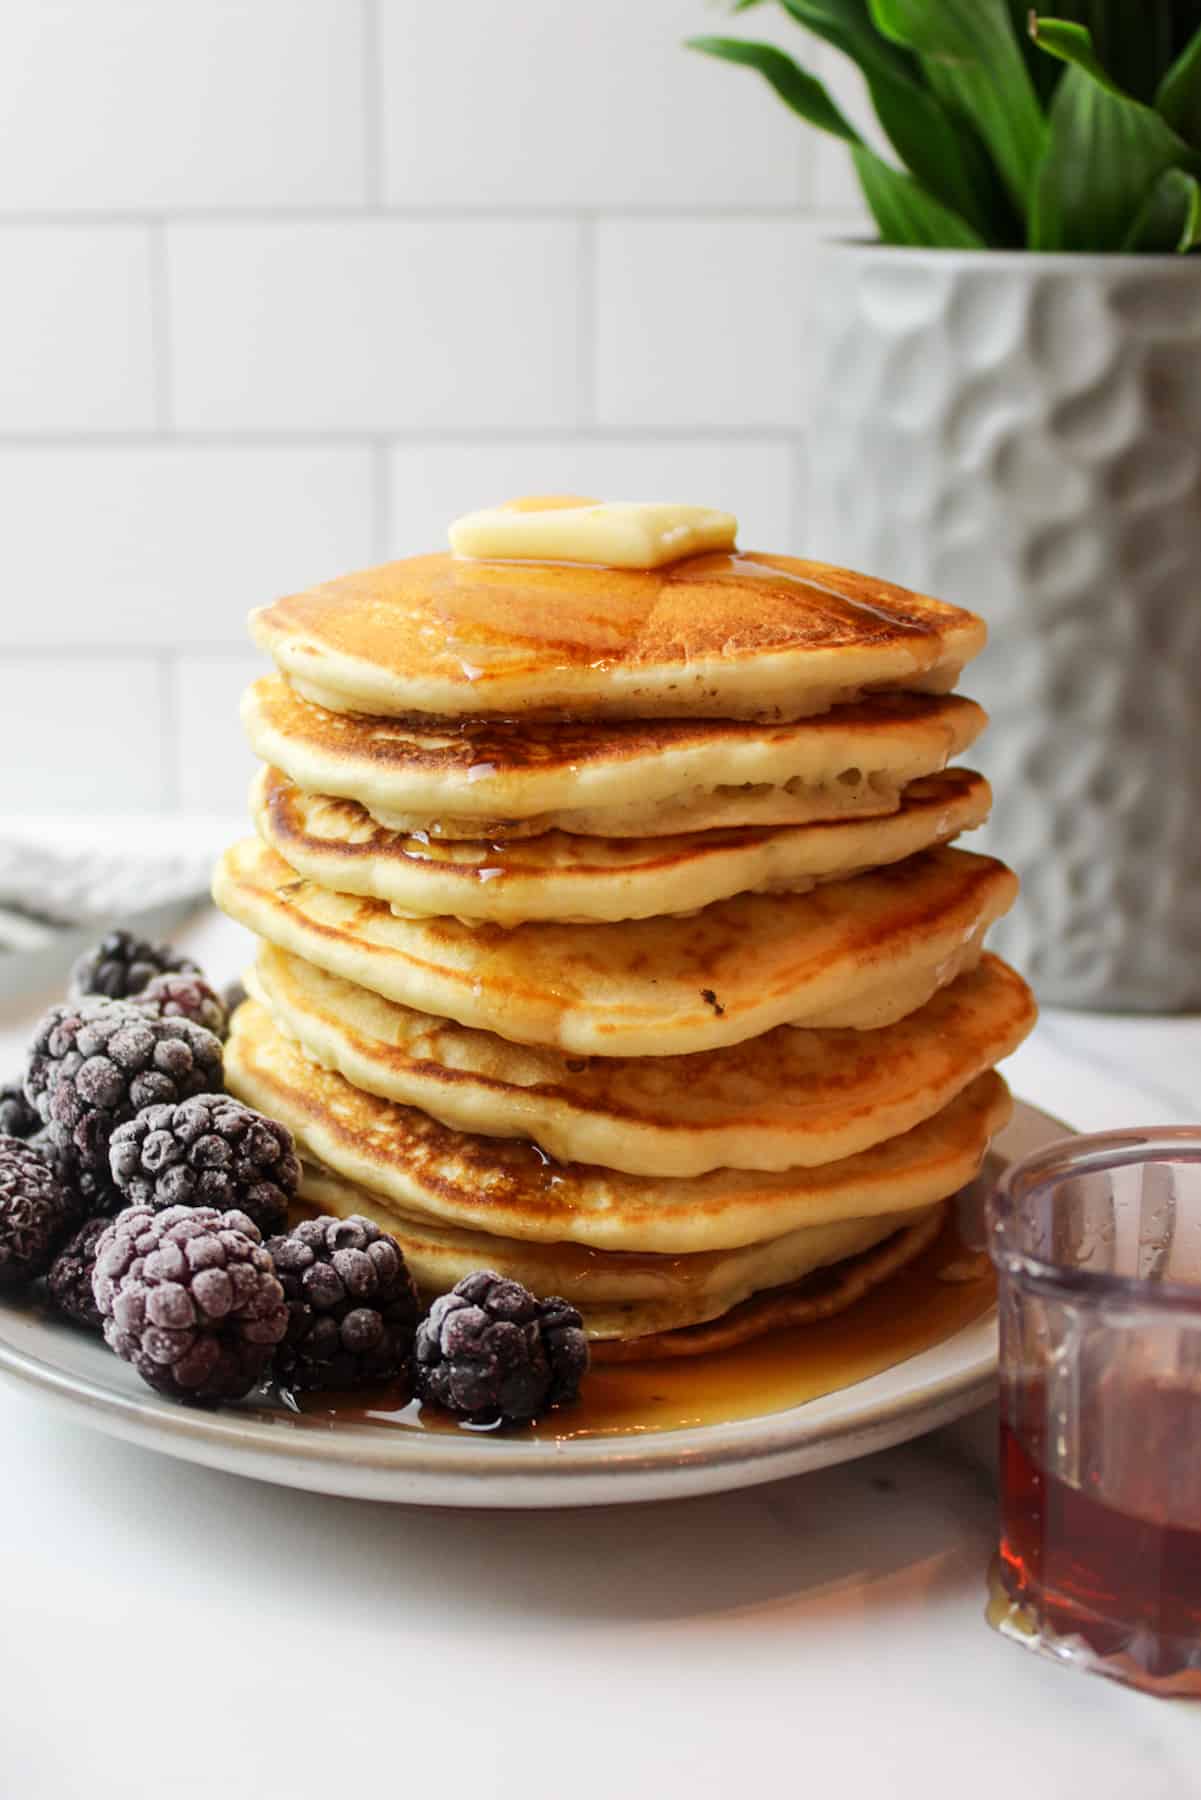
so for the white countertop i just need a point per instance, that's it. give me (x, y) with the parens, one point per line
(170, 1630)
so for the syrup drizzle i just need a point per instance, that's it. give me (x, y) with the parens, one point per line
(498, 615)
(923, 1305)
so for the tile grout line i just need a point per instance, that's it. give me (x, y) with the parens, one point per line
(366, 437)
(448, 213)
(160, 325)
(373, 111)
(82, 650)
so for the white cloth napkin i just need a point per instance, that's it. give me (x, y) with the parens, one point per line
(52, 885)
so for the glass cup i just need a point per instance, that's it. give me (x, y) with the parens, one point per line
(1097, 1243)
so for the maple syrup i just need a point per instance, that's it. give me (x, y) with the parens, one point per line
(1122, 1577)
(505, 615)
(921, 1306)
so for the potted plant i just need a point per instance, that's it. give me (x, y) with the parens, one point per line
(1008, 413)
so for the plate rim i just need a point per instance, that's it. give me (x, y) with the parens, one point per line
(761, 1446)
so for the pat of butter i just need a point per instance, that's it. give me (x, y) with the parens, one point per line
(624, 534)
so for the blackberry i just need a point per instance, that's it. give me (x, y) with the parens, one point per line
(183, 996)
(233, 994)
(70, 1279)
(207, 1151)
(95, 1063)
(17, 1117)
(190, 1298)
(490, 1350)
(90, 1192)
(121, 965)
(36, 1213)
(352, 1305)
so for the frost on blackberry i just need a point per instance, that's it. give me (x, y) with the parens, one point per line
(490, 1350)
(69, 1282)
(352, 1305)
(95, 1063)
(184, 996)
(207, 1151)
(121, 965)
(17, 1118)
(189, 1297)
(36, 1214)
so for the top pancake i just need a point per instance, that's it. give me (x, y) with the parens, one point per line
(720, 635)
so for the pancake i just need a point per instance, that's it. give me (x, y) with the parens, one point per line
(337, 844)
(518, 778)
(862, 952)
(821, 1295)
(715, 636)
(788, 1099)
(625, 1297)
(510, 1189)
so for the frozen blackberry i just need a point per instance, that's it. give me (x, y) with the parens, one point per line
(17, 1117)
(89, 1191)
(183, 996)
(352, 1305)
(70, 1279)
(189, 1297)
(207, 1151)
(233, 994)
(121, 965)
(95, 1063)
(36, 1213)
(490, 1350)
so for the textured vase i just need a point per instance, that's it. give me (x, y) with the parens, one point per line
(1022, 434)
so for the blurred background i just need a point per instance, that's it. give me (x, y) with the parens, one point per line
(288, 284)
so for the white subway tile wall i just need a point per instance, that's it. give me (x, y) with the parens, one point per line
(373, 325)
(170, 545)
(213, 765)
(288, 283)
(77, 350)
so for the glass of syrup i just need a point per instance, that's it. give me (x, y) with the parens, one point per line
(1097, 1243)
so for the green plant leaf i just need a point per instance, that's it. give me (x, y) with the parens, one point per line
(1169, 217)
(1178, 97)
(941, 151)
(803, 92)
(1104, 153)
(1133, 39)
(1043, 71)
(974, 62)
(1126, 52)
(848, 25)
(905, 212)
(1073, 43)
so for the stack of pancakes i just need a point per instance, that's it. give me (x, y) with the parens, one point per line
(610, 936)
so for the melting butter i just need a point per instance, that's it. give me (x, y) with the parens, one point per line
(623, 534)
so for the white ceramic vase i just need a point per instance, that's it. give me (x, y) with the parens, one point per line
(1022, 434)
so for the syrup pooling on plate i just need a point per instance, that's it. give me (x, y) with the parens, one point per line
(917, 1309)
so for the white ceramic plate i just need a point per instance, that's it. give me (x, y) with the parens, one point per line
(377, 1462)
